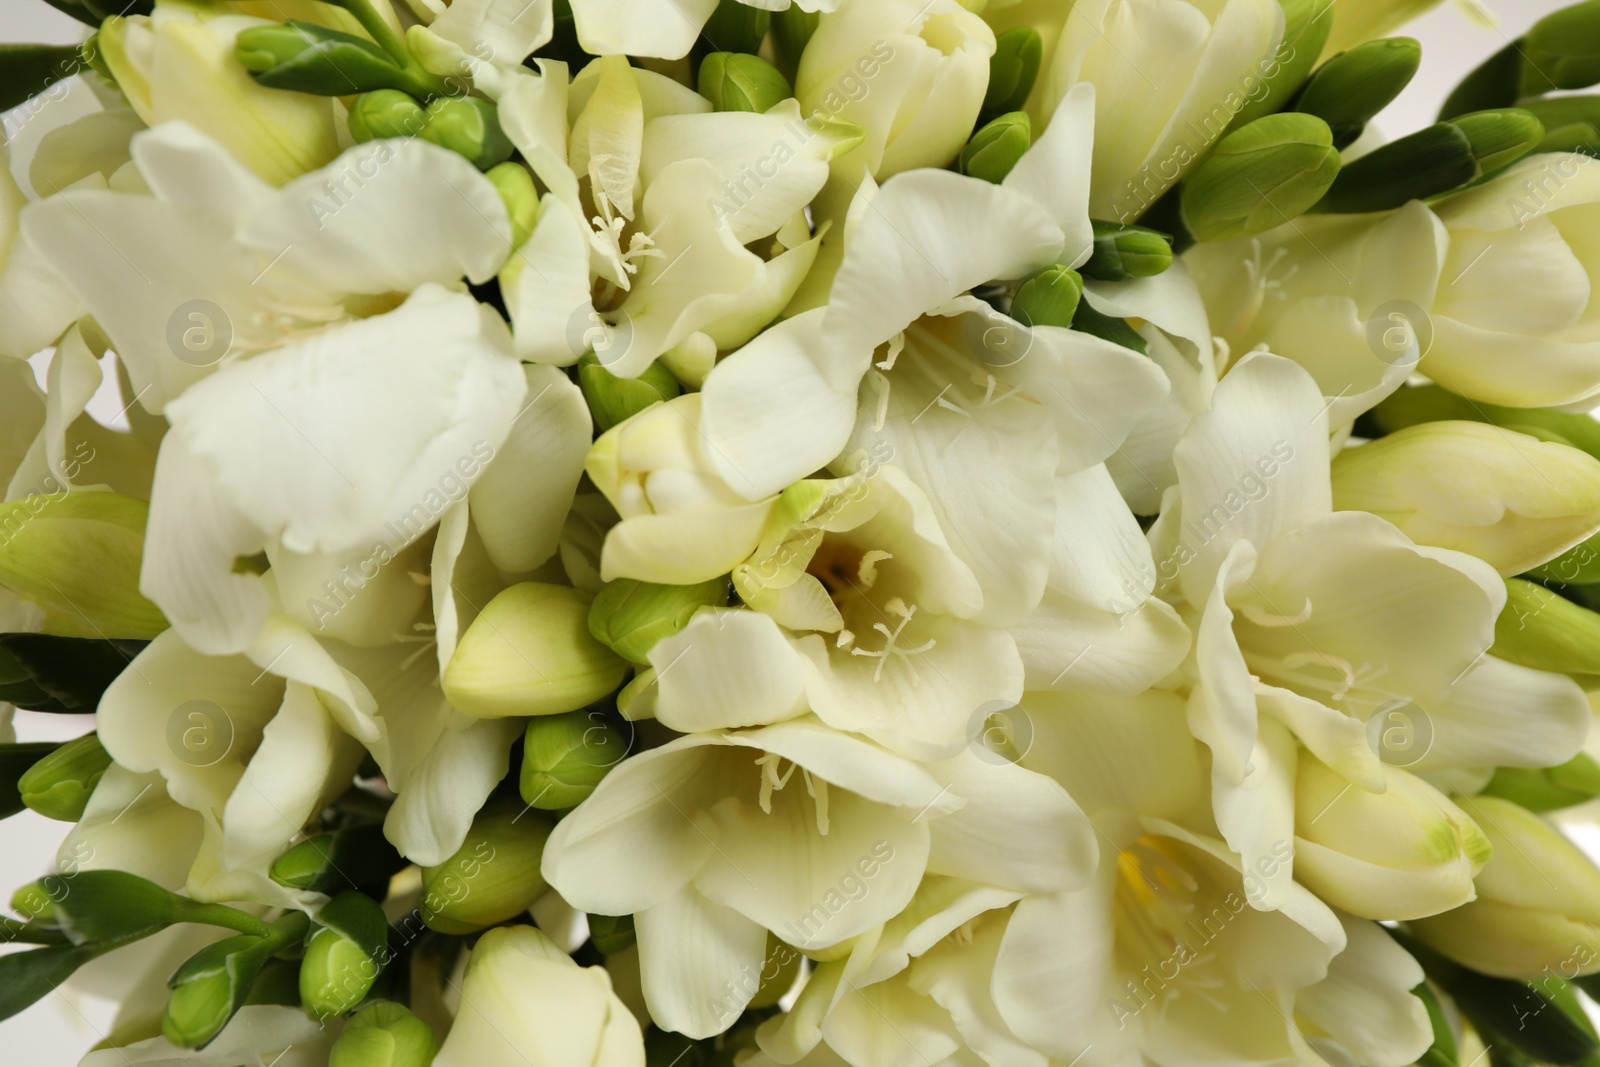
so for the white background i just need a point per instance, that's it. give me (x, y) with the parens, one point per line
(55, 1032)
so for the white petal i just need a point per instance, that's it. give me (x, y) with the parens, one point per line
(386, 216)
(1101, 556)
(1254, 466)
(431, 816)
(1366, 1004)
(926, 237)
(1068, 645)
(546, 288)
(365, 432)
(727, 669)
(1055, 172)
(769, 412)
(659, 28)
(499, 31)
(1019, 830)
(1499, 713)
(688, 948)
(522, 499)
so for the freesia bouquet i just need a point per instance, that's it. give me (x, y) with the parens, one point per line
(897, 533)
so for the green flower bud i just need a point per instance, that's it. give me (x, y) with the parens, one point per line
(493, 876)
(1049, 298)
(100, 905)
(77, 556)
(1349, 89)
(469, 127)
(1541, 789)
(515, 186)
(529, 652)
(612, 399)
(565, 756)
(611, 933)
(59, 785)
(736, 27)
(1433, 161)
(1306, 27)
(631, 616)
(213, 983)
(735, 81)
(344, 859)
(1108, 328)
(1540, 629)
(1012, 70)
(386, 113)
(1431, 403)
(1122, 252)
(1260, 176)
(306, 58)
(343, 957)
(1562, 50)
(1538, 905)
(1399, 854)
(997, 146)
(1495, 83)
(384, 1034)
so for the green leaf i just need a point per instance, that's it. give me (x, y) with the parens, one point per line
(26, 70)
(94, 12)
(28, 977)
(39, 672)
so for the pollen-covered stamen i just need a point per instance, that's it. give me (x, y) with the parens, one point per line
(891, 645)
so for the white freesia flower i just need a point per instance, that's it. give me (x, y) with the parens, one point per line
(713, 840)
(1309, 623)
(911, 73)
(265, 1033)
(524, 1000)
(255, 743)
(664, 29)
(35, 303)
(1358, 300)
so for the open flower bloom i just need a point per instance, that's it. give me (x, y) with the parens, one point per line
(1359, 300)
(656, 199)
(713, 840)
(256, 743)
(522, 998)
(1315, 624)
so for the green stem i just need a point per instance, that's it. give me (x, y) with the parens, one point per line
(28, 934)
(222, 915)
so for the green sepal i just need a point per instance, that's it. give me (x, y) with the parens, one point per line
(1541, 629)
(1122, 252)
(26, 70)
(997, 146)
(1542, 789)
(1433, 161)
(613, 400)
(1087, 320)
(60, 784)
(351, 858)
(346, 950)
(1349, 89)
(1013, 69)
